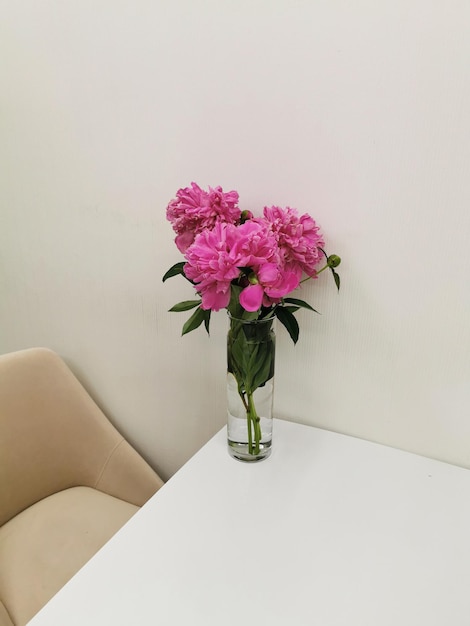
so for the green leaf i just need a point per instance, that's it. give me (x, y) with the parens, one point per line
(337, 278)
(300, 303)
(176, 269)
(288, 320)
(292, 309)
(250, 352)
(249, 315)
(186, 305)
(236, 355)
(254, 362)
(234, 307)
(207, 320)
(265, 363)
(194, 321)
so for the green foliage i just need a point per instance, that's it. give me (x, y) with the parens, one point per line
(300, 303)
(336, 277)
(207, 319)
(332, 261)
(292, 309)
(288, 320)
(250, 353)
(186, 305)
(174, 270)
(197, 318)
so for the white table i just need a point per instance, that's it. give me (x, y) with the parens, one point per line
(329, 531)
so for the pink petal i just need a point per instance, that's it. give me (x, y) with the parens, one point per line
(184, 240)
(251, 297)
(268, 273)
(214, 300)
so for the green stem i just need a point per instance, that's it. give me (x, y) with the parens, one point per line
(250, 436)
(253, 421)
(248, 416)
(242, 396)
(316, 274)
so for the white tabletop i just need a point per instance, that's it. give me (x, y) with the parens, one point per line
(329, 531)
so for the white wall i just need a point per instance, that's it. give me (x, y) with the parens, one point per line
(356, 112)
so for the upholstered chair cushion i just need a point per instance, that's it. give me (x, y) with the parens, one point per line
(4, 617)
(42, 547)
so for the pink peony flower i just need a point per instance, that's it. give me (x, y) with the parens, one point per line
(277, 282)
(212, 264)
(221, 245)
(273, 284)
(258, 248)
(195, 210)
(298, 239)
(217, 257)
(255, 245)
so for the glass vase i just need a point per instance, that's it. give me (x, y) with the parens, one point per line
(250, 388)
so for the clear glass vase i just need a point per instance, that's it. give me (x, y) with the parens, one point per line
(250, 388)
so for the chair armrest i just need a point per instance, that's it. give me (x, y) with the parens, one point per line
(127, 476)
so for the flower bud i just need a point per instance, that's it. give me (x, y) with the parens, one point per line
(245, 216)
(333, 260)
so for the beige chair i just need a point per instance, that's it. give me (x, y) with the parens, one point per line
(68, 480)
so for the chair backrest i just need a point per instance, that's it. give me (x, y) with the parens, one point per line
(53, 436)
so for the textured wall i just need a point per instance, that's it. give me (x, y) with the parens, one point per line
(355, 112)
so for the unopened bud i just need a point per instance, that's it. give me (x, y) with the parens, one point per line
(245, 216)
(333, 260)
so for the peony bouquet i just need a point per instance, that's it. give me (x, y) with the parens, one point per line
(248, 265)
